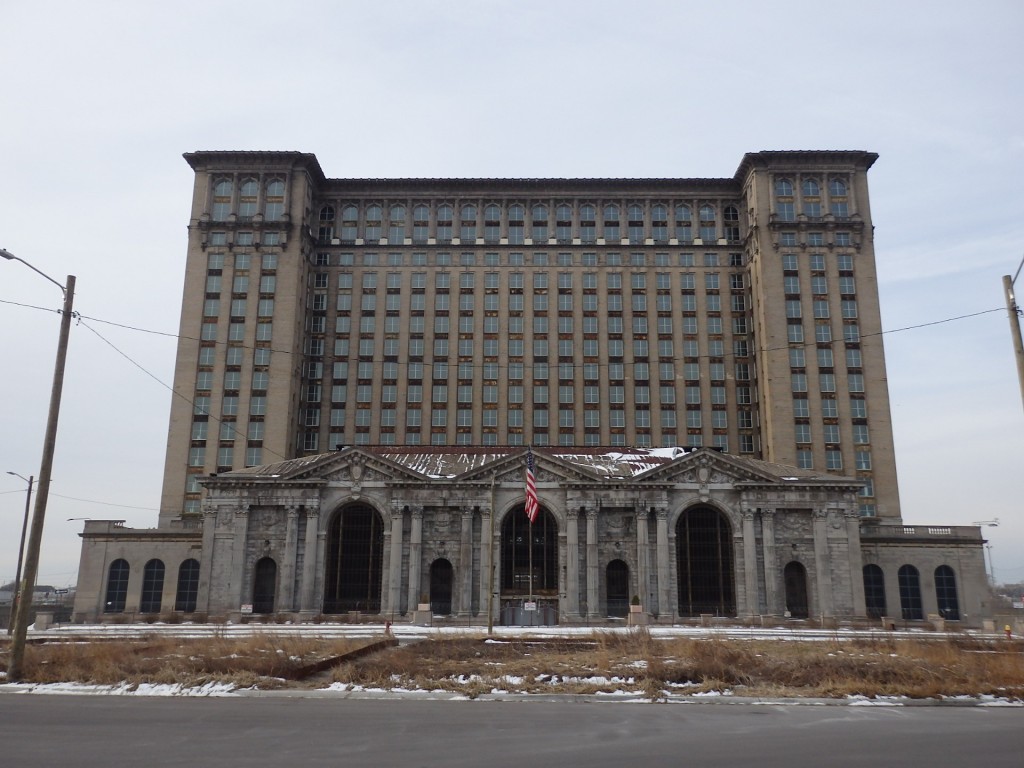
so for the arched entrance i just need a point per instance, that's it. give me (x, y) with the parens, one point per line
(441, 587)
(529, 567)
(704, 561)
(795, 577)
(617, 585)
(353, 568)
(264, 587)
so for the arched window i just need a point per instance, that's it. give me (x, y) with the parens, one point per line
(516, 224)
(117, 586)
(372, 226)
(874, 591)
(516, 212)
(188, 586)
(273, 206)
(152, 587)
(684, 224)
(659, 214)
(732, 223)
(810, 188)
(396, 230)
(221, 200)
(837, 188)
(795, 577)
(704, 560)
(445, 213)
(611, 223)
(441, 579)
(910, 592)
(327, 212)
(468, 213)
(492, 224)
(587, 212)
(635, 224)
(264, 587)
(247, 199)
(518, 537)
(421, 214)
(783, 187)
(945, 593)
(708, 227)
(611, 214)
(617, 588)
(349, 223)
(355, 547)
(539, 222)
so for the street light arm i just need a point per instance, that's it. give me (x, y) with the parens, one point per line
(10, 256)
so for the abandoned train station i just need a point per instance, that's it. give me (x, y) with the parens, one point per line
(383, 532)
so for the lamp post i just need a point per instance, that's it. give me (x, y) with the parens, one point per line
(21, 548)
(22, 610)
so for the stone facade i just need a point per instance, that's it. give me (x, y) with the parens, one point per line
(692, 533)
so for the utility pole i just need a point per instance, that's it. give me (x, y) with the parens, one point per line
(24, 607)
(1014, 315)
(21, 550)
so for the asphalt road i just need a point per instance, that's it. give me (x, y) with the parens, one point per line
(87, 731)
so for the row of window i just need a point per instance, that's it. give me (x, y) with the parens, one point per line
(909, 582)
(587, 225)
(520, 259)
(151, 595)
(810, 187)
(252, 199)
(516, 281)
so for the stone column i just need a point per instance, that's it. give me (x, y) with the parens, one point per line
(240, 529)
(593, 607)
(664, 577)
(852, 517)
(206, 560)
(486, 541)
(309, 558)
(822, 564)
(287, 599)
(750, 562)
(394, 605)
(643, 561)
(771, 566)
(572, 563)
(415, 566)
(466, 564)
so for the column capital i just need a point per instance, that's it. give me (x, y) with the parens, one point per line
(820, 514)
(591, 513)
(661, 513)
(242, 509)
(417, 512)
(467, 513)
(312, 511)
(292, 511)
(397, 510)
(768, 514)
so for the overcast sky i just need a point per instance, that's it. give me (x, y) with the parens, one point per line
(99, 100)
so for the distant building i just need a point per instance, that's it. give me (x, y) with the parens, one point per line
(335, 326)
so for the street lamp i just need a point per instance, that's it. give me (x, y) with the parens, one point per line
(24, 606)
(21, 548)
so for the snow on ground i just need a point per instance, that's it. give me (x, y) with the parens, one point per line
(410, 633)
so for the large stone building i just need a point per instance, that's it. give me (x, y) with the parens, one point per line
(361, 364)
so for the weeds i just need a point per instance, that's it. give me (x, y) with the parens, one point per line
(605, 662)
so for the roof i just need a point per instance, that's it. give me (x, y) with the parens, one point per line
(451, 462)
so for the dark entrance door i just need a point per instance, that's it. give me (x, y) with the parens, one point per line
(441, 587)
(795, 576)
(264, 586)
(617, 580)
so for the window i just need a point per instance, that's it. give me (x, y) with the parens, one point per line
(152, 587)
(910, 593)
(945, 593)
(117, 586)
(874, 591)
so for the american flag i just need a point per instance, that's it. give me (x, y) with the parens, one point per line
(532, 506)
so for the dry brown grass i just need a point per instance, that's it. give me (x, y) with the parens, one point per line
(604, 662)
(264, 660)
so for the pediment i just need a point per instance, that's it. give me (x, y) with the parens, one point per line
(547, 468)
(353, 466)
(707, 467)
